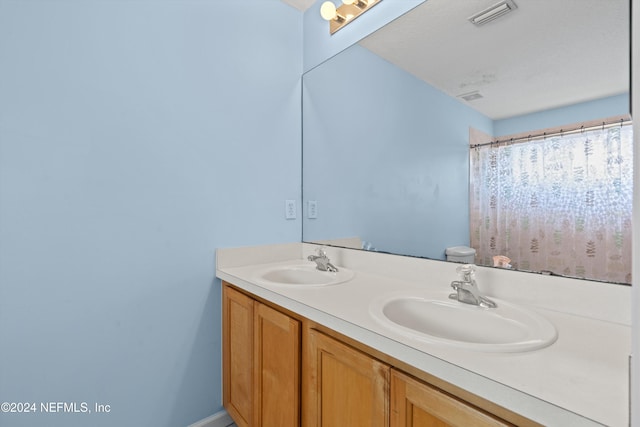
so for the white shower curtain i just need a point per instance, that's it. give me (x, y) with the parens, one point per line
(560, 204)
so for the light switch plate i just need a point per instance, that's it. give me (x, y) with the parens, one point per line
(290, 209)
(312, 209)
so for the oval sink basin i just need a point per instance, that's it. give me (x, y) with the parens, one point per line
(302, 275)
(507, 328)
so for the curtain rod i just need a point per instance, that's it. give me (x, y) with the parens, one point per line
(561, 132)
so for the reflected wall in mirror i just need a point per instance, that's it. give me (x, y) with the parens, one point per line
(386, 133)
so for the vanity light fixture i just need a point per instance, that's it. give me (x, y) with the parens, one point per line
(493, 12)
(347, 12)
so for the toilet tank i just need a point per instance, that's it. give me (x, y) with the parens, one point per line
(463, 254)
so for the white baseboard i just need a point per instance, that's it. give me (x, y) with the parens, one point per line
(219, 419)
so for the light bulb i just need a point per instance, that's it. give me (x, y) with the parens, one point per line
(328, 11)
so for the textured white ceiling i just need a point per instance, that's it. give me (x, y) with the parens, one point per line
(545, 54)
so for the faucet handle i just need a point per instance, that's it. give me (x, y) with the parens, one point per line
(466, 271)
(466, 268)
(322, 251)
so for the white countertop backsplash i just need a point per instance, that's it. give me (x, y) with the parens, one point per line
(580, 380)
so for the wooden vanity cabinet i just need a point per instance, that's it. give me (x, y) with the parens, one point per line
(261, 363)
(415, 403)
(343, 386)
(280, 369)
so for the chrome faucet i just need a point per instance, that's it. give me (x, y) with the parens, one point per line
(322, 261)
(467, 289)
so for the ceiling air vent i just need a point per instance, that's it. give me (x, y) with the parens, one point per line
(471, 96)
(493, 12)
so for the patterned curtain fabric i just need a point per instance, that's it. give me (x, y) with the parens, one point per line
(561, 204)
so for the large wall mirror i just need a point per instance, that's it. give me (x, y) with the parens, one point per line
(386, 122)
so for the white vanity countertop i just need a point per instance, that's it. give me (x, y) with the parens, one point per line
(580, 380)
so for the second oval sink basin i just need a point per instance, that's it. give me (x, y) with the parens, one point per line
(302, 275)
(507, 328)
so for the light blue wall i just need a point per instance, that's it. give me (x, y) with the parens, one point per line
(386, 156)
(569, 115)
(136, 137)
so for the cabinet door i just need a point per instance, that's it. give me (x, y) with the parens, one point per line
(343, 387)
(237, 355)
(276, 369)
(414, 403)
